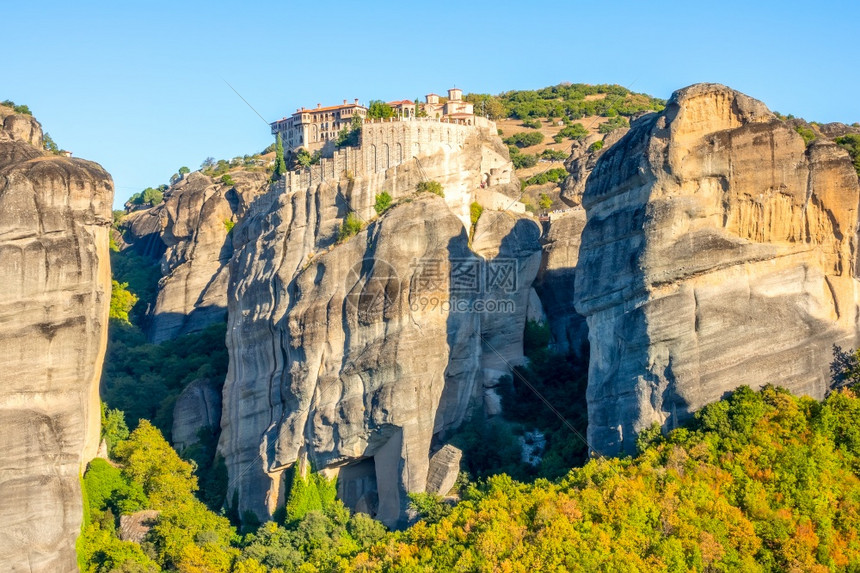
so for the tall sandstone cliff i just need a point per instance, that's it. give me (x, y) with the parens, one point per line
(340, 354)
(719, 250)
(189, 235)
(55, 214)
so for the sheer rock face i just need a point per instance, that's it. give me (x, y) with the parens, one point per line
(718, 251)
(555, 283)
(55, 215)
(583, 158)
(191, 233)
(348, 354)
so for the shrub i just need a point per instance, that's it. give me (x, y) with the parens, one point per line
(806, 133)
(475, 211)
(227, 180)
(383, 202)
(596, 146)
(430, 186)
(229, 224)
(522, 160)
(851, 143)
(575, 131)
(532, 123)
(613, 124)
(558, 138)
(553, 155)
(525, 139)
(351, 226)
(550, 176)
(545, 202)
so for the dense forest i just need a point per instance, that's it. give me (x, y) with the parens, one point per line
(761, 481)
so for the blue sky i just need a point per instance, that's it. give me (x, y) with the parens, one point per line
(139, 86)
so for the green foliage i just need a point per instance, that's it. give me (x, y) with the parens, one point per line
(312, 492)
(524, 139)
(143, 379)
(350, 136)
(596, 146)
(107, 489)
(280, 165)
(553, 155)
(229, 224)
(49, 145)
(612, 124)
(383, 202)
(226, 179)
(532, 123)
(22, 109)
(351, 226)
(141, 274)
(760, 482)
(487, 105)
(558, 138)
(184, 170)
(550, 176)
(151, 196)
(431, 187)
(114, 428)
(522, 160)
(570, 101)
(851, 143)
(475, 211)
(545, 201)
(379, 110)
(429, 506)
(101, 551)
(121, 301)
(575, 131)
(302, 158)
(806, 133)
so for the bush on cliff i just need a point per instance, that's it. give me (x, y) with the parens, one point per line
(351, 226)
(851, 143)
(430, 187)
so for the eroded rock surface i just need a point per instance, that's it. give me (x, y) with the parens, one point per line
(55, 214)
(190, 233)
(719, 250)
(349, 355)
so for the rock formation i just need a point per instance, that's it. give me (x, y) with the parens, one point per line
(583, 158)
(719, 250)
(347, 354)
(55, 213)
(190, 233)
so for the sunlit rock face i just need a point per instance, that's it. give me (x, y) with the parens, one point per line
(719, 250)
(55, 214)
(348, 354)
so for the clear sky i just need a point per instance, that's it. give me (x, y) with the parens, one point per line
(139, 86)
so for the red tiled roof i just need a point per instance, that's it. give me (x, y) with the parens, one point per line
(329, 108)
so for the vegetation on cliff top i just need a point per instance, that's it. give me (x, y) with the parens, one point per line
(566, 100)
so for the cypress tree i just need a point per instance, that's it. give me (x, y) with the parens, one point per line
(280, 165)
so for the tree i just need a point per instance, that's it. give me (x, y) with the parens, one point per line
(114, 428)
(575, 131)
(184, 170)
(227, 180)
(49, 145)
(280, 165)
(525, 139)
(208, 162)
(303, 158)
(121, 302)
(379, 110)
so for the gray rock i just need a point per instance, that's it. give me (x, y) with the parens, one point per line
(136, 526)
(54, 219)
(719, 250)
(347, 354)
(444, 469)
(198, 408)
